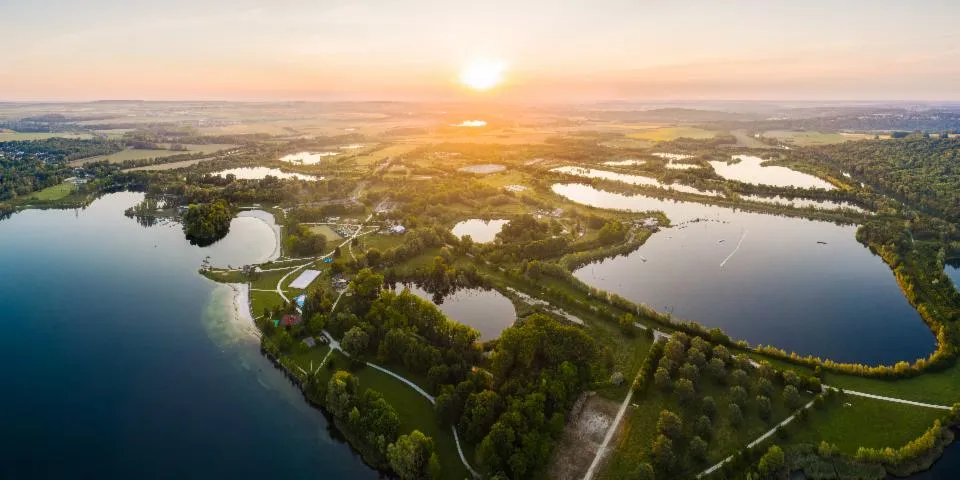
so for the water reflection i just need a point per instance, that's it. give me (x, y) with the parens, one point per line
(802, 285)
(480, 231)
(259, 173)
(750, 170)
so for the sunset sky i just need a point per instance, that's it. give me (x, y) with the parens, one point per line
(414, 49)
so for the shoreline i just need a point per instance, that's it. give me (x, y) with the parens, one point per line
(277, 234)
(241, 308)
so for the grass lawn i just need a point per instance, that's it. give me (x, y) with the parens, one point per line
(377, 157)
(260, 300)
(326, 231)
(640, 428)
(380, 242)
(941, 388)
(665, 134)
(55, 192)
(804, 138)
(415, 411)
(853, 422)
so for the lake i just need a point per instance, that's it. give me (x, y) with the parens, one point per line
(624, 163)
(488, 311)
(120, 361)
(481, 231)
(749, 169)
(307, 158)
(259, 173)
(797, 284)
(630, 179)
(803, 203)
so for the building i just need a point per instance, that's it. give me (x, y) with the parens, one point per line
(398, 229)
(290, 320)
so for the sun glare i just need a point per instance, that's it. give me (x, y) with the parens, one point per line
(482, 75)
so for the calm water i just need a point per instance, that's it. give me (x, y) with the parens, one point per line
(750, 170)
(120, 361)
(624, 163)
(488, 311)
(630, 179)
(307, 158)
(803, 202)
(764, 279)
(953, 271)
(481, 231)
(259, 173)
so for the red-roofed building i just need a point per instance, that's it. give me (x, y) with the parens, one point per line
(290, 320)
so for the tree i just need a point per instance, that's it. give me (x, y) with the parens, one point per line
(355, 341)
(627, 322)
(717, 368)
(675, 351)
(703, 427)
(669, 424)
(409, 456)
(480, 413)
(765, 388)
(791, 396)
(643, 471)
(709, 406)
(773, 463)
(684, 390)
(365, 288)
(341, 393)
(763, 407)
(738, 395)
(434, 469)
(698, 448)
(736, 415)
(690, 372)
(662, 378)
(740, 378)
(662, 451)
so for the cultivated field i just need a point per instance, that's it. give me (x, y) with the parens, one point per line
(666, 134)
(138, 154)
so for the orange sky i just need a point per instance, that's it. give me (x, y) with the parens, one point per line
(571, 50)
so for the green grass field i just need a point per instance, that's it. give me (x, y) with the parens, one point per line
(415, 411)
(665, 134)
(326, 231)
(804, 138)
(851, 422)
(53, 193)
(141, 154)
(9, 136)
(941, 388)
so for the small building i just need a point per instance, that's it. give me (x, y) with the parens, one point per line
(290, 320)
(310, 342)
(398, 229)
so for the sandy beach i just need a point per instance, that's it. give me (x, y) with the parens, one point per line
(241, 307)
(267, 218)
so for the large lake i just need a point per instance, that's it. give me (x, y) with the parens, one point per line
(800, 285)
(120, 361)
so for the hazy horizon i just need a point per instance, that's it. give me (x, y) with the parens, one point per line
(578, 51)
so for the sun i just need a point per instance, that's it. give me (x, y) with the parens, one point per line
(482, 74)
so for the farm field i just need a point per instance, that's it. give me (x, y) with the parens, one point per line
(139, 154)
(665, 134)
(9, 136)
(806, 138)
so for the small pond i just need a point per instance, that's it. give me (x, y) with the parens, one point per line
(953, 271)
(307, 158)
(488, 311)
(481, 231)
(801, 285)
(483, 169)
(749, 170)
(259, 173)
